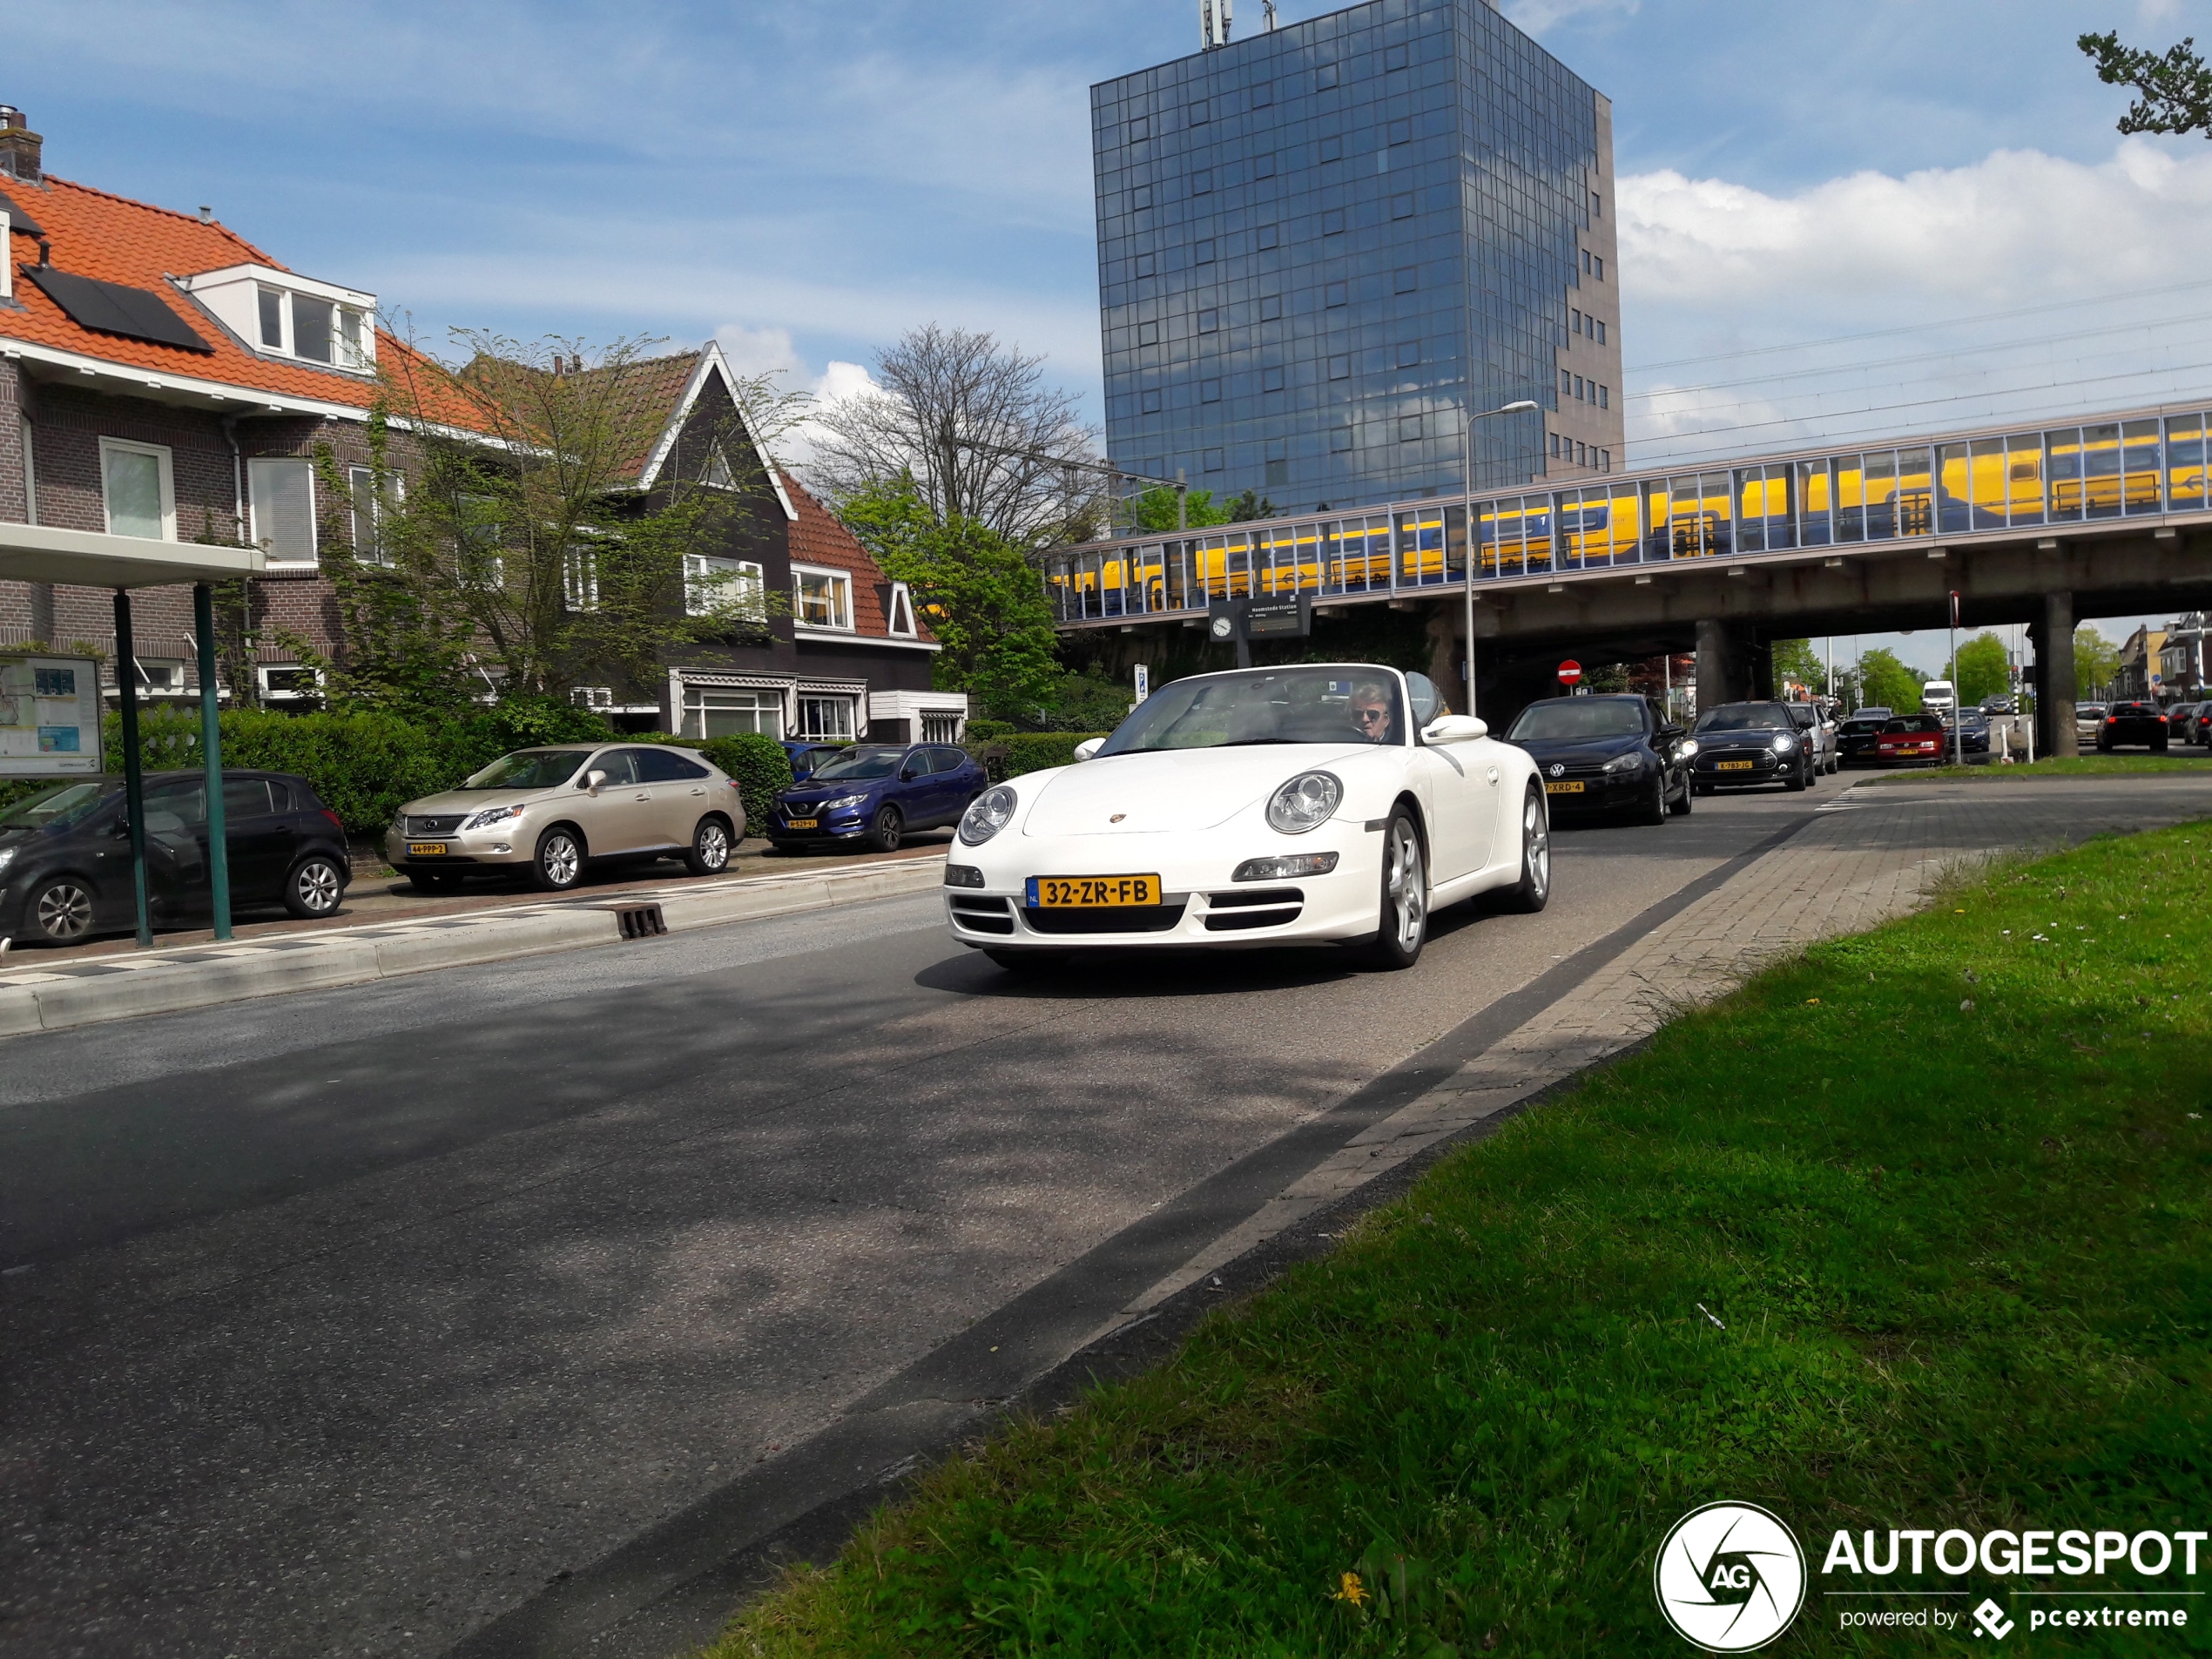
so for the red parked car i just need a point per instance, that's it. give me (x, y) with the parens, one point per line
(1912, 740)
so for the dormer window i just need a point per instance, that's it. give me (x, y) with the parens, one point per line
(900, 623)
(285, 316)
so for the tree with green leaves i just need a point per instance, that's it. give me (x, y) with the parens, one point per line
(2096, 663)
(1983, 668)
(2176, 87)
(1156, 509)
(1797, 663)
(504, 541)
(980, 597)
(1884, 682)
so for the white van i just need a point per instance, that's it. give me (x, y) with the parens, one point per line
(1937, 696)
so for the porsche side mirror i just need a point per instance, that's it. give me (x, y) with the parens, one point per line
(593, 780)
(1455, 728)
(1089, 747)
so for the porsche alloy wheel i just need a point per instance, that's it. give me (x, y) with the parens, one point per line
(1534, 890)
(1402, 927)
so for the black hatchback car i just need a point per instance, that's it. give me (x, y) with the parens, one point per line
(1604, 754)
(65, 853)
(1742, 744)
(2133, 723)
(874, 793)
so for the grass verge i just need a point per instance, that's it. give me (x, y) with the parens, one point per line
(1912, 1231)
(2065, 766)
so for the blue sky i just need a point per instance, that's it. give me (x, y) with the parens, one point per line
(806, 180)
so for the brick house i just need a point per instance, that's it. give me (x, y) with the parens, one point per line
(161, 376)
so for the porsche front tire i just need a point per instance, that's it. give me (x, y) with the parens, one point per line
(1402, 926)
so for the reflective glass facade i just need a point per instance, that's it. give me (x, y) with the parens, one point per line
(2127, 467)
(1321, 248)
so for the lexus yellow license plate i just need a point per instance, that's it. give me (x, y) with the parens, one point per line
(803, 823)
(1574, 788)
(1092, 891)
(1732, 765)
(426, 849)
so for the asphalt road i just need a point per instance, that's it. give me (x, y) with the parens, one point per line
(347, 1322)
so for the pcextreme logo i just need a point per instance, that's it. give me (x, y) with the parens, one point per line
(1730, 1577)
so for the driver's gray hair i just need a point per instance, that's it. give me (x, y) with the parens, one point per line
(1376, 690)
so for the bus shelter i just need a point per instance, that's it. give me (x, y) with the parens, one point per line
(91, 559)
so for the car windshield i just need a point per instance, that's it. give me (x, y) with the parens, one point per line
(59, 807)
(1339, 704)
(1860, 725)
(2088, 708)
(1914, 723)
(1578, 717)
(1745, 716)
(528, 769)
(859, 763)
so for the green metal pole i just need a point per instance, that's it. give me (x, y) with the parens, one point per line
(134, 793)
(211, 755)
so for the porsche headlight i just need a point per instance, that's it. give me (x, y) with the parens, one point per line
(987, 814)
(1306, 802)
(492, 815)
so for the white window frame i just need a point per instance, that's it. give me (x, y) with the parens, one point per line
(769, 705)
(580, 578)
(254, 506)
(361, 481)
(262, 671)
(841, 585)
(161, 453)
(352, 330)
(900, 623)
(850, 706)
(744, 578)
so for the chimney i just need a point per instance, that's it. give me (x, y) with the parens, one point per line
(19, 145)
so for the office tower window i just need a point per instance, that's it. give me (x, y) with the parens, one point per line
(1340, 366)
(1198, 113)
(1401, 206)
(1401, 132)
(1149, 403)
(1144, 264)
(1271, 379)
(1209, 320)
(1270, 306)
(1202, 181)
(1336, 295)
(1270, 235)
(1406, 280)
(1201, 252)
(1333, 222)
(1209, 391)
(1409, 353)
(1333, 149)
(1264, 165)
(1140, 129)
(1216, 460)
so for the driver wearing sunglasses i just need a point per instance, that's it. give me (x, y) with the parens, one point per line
(1371, 712)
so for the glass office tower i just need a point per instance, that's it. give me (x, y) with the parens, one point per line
(1323, 248)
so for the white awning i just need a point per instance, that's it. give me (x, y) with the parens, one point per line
(93, 559)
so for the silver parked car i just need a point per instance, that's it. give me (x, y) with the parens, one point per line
(1819, 734)
(551, 810)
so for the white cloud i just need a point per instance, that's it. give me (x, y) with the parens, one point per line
(1534, 17)
(1720, 271)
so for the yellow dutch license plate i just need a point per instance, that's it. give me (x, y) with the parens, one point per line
(1732, 765)
(1092, 891)
(426, 849)
(1574, 788)
(802, 823)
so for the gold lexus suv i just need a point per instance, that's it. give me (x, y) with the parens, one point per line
(552, 810)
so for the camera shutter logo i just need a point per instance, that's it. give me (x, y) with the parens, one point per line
(1730, 1577)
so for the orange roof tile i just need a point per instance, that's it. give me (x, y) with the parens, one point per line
(92, 234)
(818, 538)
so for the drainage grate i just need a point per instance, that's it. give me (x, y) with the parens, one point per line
(640, 920)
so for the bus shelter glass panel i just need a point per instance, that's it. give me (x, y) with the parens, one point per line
(2024, 478)
(2185, 463)
(2100, 471)
(2062, 476)
(1915, 492)
(1815, 500)
(2140, 467)
(1421, 548)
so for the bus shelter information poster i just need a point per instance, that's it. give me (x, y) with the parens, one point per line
(50, 716)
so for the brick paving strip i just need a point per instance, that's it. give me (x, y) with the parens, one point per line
(1863, 860)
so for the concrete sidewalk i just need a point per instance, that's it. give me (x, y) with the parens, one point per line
(40, 996)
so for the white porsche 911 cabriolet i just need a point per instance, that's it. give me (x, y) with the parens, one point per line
(1317, 803)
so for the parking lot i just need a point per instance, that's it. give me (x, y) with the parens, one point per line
(421, 1305)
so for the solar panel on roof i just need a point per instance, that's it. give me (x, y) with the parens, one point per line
(113, 308)
(18, 219)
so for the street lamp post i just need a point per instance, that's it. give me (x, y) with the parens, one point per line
(1466, 477)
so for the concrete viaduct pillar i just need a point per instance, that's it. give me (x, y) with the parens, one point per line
(1733, 664)
(2054, 641)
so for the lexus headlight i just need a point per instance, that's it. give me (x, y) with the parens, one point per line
(492, 815)
(1306, 803)
(842, 800)
(1627, 762)
(987, 814)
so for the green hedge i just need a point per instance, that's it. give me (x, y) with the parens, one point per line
(761, 768)
(984, 730)
(1010, 757)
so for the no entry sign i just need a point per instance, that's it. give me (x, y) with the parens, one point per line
(1570, 671)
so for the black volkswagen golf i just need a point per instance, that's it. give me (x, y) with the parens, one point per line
(65, 853)
(1610, 753)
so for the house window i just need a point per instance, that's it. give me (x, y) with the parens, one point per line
(139, 488)
(940, 725)
(283, 494)
(711, 711)
(715, 472)
(319, 330)
(369, 509)
(824, 598)
(272, 319)
(901, 622)
(825, 719)
(288, 682)
(30, 477)
(580, 578)
(312, 334)
(712, 585)
(591, 697)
